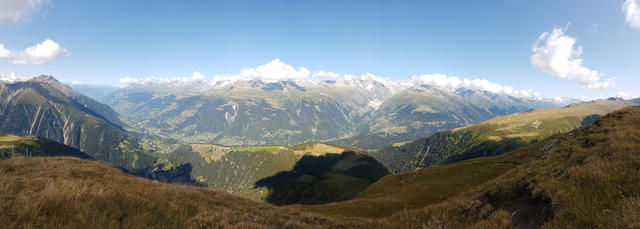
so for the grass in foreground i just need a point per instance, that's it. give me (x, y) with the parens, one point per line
(69, 192)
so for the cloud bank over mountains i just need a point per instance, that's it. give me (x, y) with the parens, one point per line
(37, 54)
(453, 82)
(277, 70)
(12, 77)
(556, 54)
(196, 76)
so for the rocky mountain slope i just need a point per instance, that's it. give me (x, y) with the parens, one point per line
(47, 108)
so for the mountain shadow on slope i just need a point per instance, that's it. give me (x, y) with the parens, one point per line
(323, 179)
(589, 119)
(172, 175)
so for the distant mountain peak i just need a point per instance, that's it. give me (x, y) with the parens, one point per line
(44, 78)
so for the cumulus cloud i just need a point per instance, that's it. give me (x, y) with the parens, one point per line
(631, 10)
(4, 53)
(325, 75)
(20, 10)
(12, 77)
(41, 53)
(626, 95)
(453, 83)
(273, 71)
(196, 76)
(556, 54)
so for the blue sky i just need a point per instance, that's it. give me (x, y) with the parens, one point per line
(104, 41)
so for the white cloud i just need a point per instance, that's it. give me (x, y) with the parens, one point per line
(41, 53)
(631, 10)
(273, 71)
(196, 76)
(4, 53)
(610, 82)
(20, 10)
(554, 53)
(325, 75)
(453, 83)
(13, 77)
(626, 95)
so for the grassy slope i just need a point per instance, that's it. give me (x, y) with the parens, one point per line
(398, 192)
(542, 123)
(70, 192)
(589, 178)
(592, 175)
(492, 137)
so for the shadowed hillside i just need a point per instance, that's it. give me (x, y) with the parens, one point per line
(323, 179)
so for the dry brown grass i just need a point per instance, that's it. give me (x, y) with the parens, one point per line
(319, 149)
(68, 192)
(210, 153)
(592, 175)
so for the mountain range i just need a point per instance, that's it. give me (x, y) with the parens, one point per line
(367, 112)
